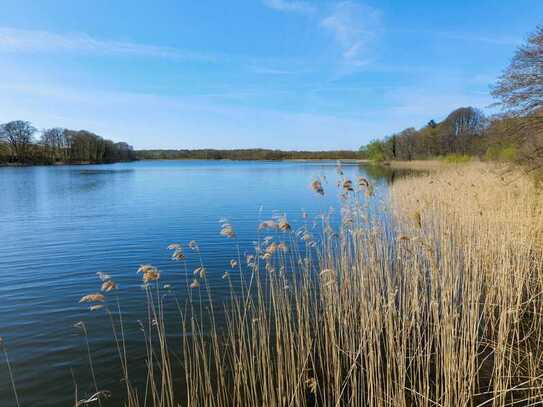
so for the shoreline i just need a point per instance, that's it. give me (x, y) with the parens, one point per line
(422, 164)
(59, 164)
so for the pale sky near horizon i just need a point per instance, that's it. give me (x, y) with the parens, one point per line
(288, 74)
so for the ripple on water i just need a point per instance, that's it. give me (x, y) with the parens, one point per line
(61, 225)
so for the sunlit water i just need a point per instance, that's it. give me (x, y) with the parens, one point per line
(61, 225)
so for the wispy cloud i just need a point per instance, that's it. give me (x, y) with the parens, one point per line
(294, 6)
(355, 27)
(16, 40)
(182, 122)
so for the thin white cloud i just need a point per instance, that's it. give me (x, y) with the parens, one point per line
(180, 122)
(16, 40)
(355, 27)
(293, 6)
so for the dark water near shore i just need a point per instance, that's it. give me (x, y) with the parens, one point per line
(61, 225)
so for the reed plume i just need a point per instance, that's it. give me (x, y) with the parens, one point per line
(433, 302)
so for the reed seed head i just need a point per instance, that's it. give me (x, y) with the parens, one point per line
(108, 286)
(363, 182)
(284, 225)
(348, 185)
(97, 297)
(267, 224)
(228, 231)
(317, 187)
(144, 268)
(178, 254)
(151, 275)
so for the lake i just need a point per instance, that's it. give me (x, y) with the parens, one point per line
(61, 225)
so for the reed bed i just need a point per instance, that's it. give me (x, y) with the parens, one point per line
(439, 302)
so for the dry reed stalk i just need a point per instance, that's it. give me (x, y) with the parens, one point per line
(440, 308)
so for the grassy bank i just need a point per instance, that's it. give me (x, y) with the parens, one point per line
(437, 303)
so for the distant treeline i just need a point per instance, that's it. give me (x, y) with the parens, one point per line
(244, 154)
(19, 145)
(515, 135)
(465, 132)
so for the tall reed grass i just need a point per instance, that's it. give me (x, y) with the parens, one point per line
(437, 303)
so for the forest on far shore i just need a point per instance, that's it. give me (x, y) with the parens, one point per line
(245, 154)
(514, 135)
(19, 146)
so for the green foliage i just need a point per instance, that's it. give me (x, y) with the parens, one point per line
(465, 134)
(460, 133)
(246, 154)
(375, 151)
(456, 158)
(501, 153)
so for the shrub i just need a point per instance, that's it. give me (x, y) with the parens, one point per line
(456, 158)
(500, 153)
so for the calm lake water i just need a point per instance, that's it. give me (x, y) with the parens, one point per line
(61, 225)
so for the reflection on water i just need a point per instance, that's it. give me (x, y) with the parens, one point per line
(62, 225)
(388, 174)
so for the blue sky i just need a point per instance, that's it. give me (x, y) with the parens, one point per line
(287, 74)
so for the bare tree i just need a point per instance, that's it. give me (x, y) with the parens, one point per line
(520, 90)
(4, 151)
(54, 143)
(520, 87)
(460, 127)
(466, 121)
(19, 135)
(406, 144)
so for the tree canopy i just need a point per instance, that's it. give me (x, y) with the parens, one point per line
(520, 87)
(18, 145)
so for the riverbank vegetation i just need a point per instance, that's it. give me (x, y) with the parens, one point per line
(245, 154)
(436, 303)
(19, 146)
(516, 135)
(429, 296)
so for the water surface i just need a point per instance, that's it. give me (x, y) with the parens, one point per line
(61, 225)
